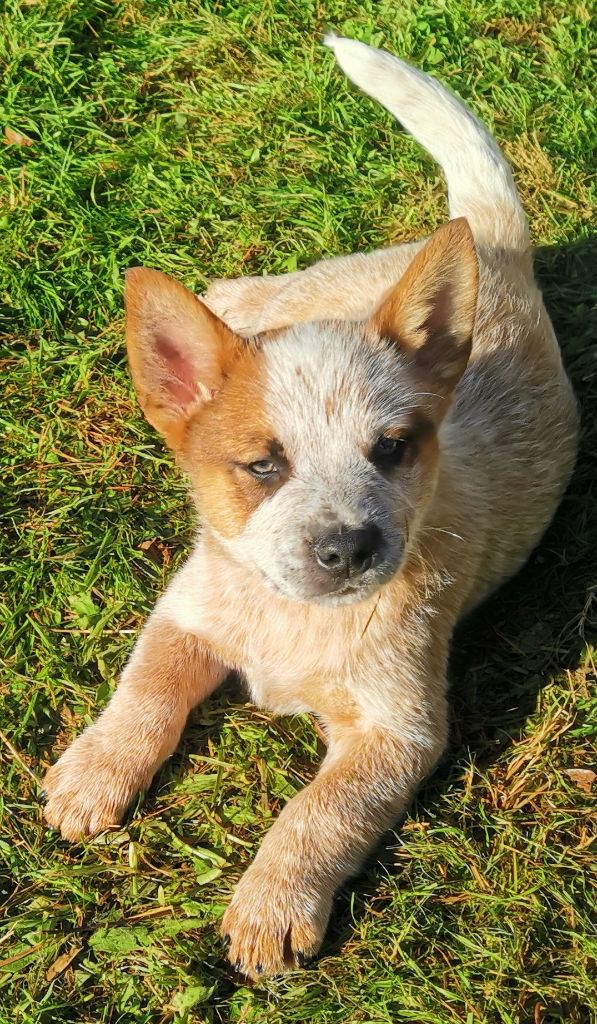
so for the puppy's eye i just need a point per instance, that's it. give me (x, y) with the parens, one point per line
(387, 451)
(262, 469)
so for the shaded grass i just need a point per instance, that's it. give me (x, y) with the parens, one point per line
(211, 139)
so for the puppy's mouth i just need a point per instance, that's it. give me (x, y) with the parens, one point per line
(349, 591)
(352, 591)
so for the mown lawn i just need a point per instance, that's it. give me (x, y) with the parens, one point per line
(212, 139)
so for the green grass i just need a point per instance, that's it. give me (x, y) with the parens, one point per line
(212, 139)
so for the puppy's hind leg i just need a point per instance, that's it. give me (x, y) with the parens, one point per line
(341, 288)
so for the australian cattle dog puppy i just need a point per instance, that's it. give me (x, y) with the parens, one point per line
(374, 445)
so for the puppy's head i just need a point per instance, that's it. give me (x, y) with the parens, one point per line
(312, 453)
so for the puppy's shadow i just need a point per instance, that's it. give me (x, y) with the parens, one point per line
(537, 625)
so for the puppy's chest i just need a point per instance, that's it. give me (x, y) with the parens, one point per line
(290, 671)
(293, 661)
(294, 657)
(274, 689)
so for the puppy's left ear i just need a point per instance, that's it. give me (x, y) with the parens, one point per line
(430, 313)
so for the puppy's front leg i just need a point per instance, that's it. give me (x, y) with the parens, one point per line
(279, 912)
(97, 777)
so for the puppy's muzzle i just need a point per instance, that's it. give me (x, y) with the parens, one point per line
(349, 553)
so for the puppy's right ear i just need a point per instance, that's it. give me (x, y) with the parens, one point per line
(179, 351)
(430, 313)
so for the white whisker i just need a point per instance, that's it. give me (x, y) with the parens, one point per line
(441, 529)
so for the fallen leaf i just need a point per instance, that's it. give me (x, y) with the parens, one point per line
(156, 550)
(582, 777)
(14, 138)
(62, 963)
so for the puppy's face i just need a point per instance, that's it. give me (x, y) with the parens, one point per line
(313, 461)
(313, 453)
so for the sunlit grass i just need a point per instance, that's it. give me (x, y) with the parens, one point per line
(213, 139)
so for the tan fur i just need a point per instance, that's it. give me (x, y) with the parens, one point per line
(223, 435)
(182, 357)
(289, 888)
(179, 352)
(93, 783)
(252, 305)
(430, 312)
(490, 428)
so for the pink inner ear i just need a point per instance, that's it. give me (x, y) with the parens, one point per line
(180, 380)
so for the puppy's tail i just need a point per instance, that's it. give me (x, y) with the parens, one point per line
(480, 183)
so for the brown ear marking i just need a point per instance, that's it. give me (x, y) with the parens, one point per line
(430, 312)
(179, 351)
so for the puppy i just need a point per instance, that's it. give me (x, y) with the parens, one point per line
(374, 445)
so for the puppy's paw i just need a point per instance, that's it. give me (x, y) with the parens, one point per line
(88, 790)
(240, 301)
(274, 924)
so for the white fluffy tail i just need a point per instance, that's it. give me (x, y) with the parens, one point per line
(480, 183)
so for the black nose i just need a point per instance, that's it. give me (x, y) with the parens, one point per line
(348, 553)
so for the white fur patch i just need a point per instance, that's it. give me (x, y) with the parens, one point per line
(330, 394)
